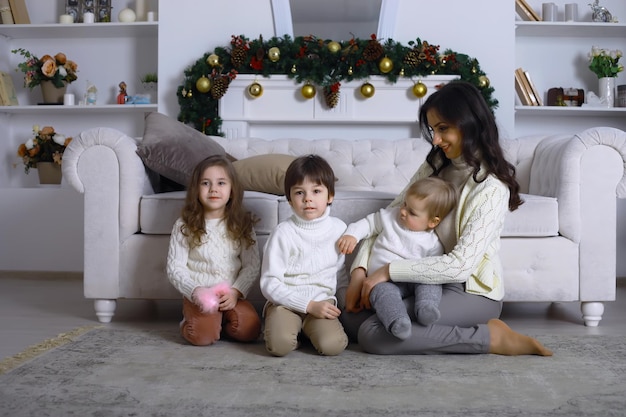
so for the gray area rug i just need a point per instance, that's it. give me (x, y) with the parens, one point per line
(113, 372)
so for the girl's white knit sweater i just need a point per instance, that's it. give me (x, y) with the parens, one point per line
(301, 262)
(217, 259)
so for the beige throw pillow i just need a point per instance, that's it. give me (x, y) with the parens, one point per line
(264, 173)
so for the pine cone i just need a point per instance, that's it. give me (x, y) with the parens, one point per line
(411, 59)
(331, 96)
(219, 87)
(373, 50)
(238, 56)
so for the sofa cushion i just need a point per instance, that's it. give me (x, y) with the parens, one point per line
(158, 212)
(172, 149)
(263, 173)
(349, 206)
(537, 217)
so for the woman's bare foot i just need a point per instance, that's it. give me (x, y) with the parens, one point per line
(505, 341)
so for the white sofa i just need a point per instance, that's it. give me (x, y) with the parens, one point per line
(559, 246)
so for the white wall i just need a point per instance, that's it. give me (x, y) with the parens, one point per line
(469, 27)
(190, 28)
(423, 19)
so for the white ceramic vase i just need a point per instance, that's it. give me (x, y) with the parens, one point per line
(606, 90)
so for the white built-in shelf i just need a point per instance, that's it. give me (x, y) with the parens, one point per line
(90, 110)
(80, 30)
(551, 111)
(570, 29)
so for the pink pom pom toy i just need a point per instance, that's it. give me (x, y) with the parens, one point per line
(208, 298)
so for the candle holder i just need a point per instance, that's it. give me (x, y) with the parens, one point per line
(100, 8)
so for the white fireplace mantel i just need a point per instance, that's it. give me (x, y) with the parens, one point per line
(282, 112)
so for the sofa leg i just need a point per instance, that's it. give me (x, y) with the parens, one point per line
(592, 312)
(105, 310)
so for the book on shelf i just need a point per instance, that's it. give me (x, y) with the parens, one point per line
(526, 12)
(524, 90)
(5, 12)
(20, 12)
(8, 97)
(533, 88)
(521, 92)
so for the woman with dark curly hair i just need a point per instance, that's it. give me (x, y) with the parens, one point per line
(467, 153)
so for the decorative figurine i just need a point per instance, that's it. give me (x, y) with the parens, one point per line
(600, 14)
(91, 97)
(122, 97)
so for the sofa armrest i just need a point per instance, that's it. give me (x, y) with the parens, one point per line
(583, 168)
(102, 164)
(586, 172)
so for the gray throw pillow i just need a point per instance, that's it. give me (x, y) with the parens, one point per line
(172, 149)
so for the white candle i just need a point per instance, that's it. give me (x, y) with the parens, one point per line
(66, 19)
(88, 17)
(151, 16)
(140, 10)
(68, 99)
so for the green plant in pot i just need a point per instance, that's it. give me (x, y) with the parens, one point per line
(149, 82)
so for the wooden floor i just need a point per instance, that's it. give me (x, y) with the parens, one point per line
(35, 307)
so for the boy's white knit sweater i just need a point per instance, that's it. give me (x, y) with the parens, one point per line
(218, 259)
(301, 263)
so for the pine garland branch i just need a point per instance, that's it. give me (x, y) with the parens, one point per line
(308, 59)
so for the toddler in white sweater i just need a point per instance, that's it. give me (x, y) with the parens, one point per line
(405, 232)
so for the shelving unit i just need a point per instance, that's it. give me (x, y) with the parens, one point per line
(80, 30)
(552, 111)
(80, 110)
(570, 29)
(106, 54)
(556, 55)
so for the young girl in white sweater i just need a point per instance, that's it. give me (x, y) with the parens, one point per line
(213, 250)
(303, 274)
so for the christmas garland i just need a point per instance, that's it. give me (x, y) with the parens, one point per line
(313, 61)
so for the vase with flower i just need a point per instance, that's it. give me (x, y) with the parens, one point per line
(605, 64)
(44, 151)
(52, 73)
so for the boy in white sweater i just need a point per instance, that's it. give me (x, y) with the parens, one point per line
(405, 232)
(302, 269)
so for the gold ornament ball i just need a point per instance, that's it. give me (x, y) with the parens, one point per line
(420, 89)
(367, 90)
(213, 60)
(308, 91)
(255, 89)
(385, 65)
(294, 69)
(274, 54)
(350, 71)
(203, 84)
(334, 46)
(483, 81)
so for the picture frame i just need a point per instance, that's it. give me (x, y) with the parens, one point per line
(100, 8)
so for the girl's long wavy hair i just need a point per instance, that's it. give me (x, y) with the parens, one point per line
(460, 104)
(239, 222)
